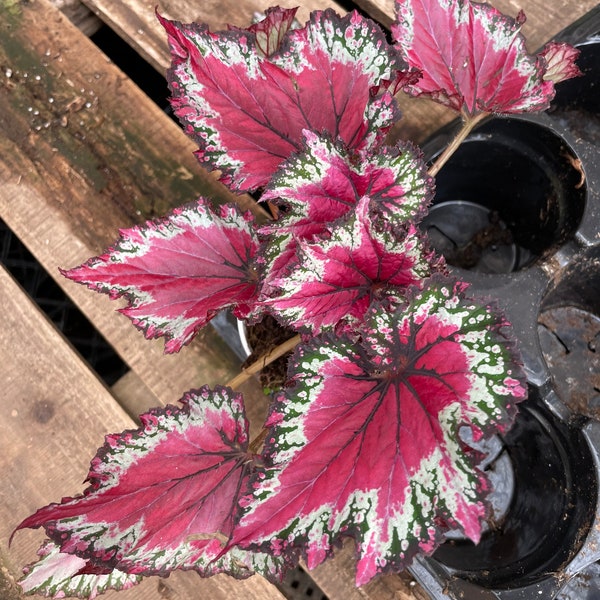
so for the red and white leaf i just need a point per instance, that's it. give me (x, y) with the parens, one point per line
(247, 112)
(178, 272)
(365, 442)
(473, 58)
(560, 62)
(165, 496)
(335, 280)
(59, 575)
(326, 181)
(270, 31)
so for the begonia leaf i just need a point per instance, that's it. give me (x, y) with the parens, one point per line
(270, 31)
(58, 575)
(247, 112)
(473, 58)
(326, 182)
(164, 496)
(365, 441)
(178, 272)
(560, 62)
(335, 280)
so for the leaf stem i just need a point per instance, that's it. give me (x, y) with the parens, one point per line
(263, 361)
(468, 125)
(255, 445)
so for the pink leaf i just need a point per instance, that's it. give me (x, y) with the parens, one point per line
(270, 32)
(365, 442)
(57, 575)
(326, 181)
(335, 280)
(473, 57)
(247, 112)
(165, 496)
(560, 62)
(178, 272)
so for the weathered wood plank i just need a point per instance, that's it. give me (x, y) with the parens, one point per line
(80, 15)
(55, 414)
(135, 20)
(82, 153)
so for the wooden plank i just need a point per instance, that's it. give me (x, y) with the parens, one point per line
(55, 414)
(80, 15)
(82, 153)
(135, 20)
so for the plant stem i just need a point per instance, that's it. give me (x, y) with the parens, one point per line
(263, 361)
(255, 445)
(468, 125)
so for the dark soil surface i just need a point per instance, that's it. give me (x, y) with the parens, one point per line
(262, 338)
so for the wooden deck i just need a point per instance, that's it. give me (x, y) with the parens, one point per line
(83, 152)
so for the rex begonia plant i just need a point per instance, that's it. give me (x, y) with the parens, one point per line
(395, 367)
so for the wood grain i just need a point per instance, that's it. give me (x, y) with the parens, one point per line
(82, 153)
(135, 20)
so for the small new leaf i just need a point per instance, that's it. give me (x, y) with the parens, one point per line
(473, 58)
(560, 62)
(178, 272)
(271, 30)
(247, 110)
(365, 442)
(165, 496)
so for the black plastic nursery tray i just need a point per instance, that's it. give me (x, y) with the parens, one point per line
(517, 213)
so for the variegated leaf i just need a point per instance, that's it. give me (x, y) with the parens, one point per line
(326, 182)
(59, 575)
(270, 31)
(335, 280)
(247, 112)
(473, 57)
(165, 496)
(365, 441)
(560, 62)
(178, 272)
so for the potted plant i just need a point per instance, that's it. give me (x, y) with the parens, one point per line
(399, 375)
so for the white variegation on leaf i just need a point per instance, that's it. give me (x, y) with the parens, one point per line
(247, 111)
(59, 575)
(364, 442)
(473, 58)
(165, 496)
(326, 181)
(334, 281)
(178, 272)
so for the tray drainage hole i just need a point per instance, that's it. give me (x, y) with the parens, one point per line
(472, 237)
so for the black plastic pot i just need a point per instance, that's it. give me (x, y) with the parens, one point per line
(517, 214)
